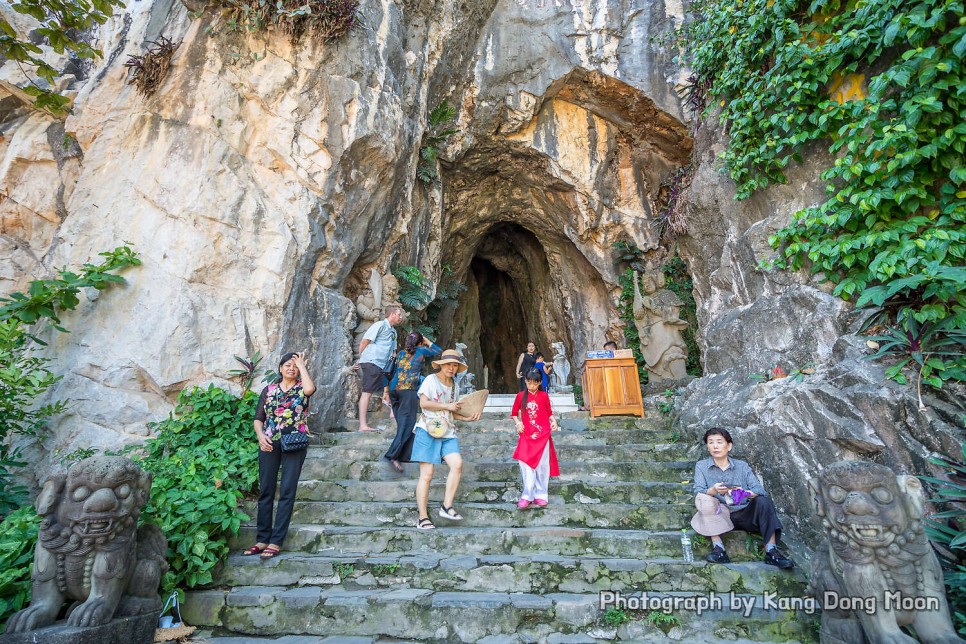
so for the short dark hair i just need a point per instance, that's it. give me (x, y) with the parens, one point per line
(718, 431)
(537, 354)
(285, 358)
(610, 345)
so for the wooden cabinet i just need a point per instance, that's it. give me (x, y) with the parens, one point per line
(611, 386)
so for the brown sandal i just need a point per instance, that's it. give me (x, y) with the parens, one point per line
(269, 552)
(254, 550)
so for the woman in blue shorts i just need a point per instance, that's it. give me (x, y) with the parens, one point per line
(438, 400)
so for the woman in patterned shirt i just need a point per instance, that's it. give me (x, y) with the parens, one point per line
(282, 408)
(402, 393)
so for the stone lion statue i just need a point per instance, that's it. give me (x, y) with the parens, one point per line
(90, 549)
(877, 571)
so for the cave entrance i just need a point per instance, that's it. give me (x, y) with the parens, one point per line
(507, 303)
(502, 325)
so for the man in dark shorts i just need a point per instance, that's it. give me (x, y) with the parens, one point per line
(378, 346)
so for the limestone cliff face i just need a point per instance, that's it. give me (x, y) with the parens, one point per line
(263, 181)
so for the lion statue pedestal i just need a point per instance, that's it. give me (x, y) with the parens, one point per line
(90, 551)
(876, 572)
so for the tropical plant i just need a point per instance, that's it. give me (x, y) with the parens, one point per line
(947, 530)
(615, 617)
(436, 134)
(64, 25)
(423, 309)
(938, 348)
(247, 372)
(18, 537)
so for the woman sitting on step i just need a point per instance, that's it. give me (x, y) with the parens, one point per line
(281, 411)
(435, 439)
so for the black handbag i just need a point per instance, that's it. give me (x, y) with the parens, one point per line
(390, 369)
(294, 441)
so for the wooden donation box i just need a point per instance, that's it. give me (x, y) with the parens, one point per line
(611, 386)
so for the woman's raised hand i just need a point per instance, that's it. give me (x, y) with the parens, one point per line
(300, 360)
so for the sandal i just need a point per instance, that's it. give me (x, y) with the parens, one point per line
(254, 550)
(396, 465)
(425, 524)
(269, 552)
(449, 513)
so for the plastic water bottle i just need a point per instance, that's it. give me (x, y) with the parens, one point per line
(686, 546)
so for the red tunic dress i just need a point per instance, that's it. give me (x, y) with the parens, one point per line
(536, 431)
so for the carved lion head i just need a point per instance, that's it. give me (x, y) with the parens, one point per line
(866, 505)
(98, 500)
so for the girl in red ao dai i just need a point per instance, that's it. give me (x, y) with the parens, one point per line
(535, 452)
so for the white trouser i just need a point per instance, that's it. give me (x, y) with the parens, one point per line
(536, 481)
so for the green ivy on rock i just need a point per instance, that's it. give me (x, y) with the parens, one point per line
(881, 83)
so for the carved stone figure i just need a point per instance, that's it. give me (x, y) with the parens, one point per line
(90, 549)
(876, 551)
(371, 303)
(464, 380)
(561, 370)
(657, 316)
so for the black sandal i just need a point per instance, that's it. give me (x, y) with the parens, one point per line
(425, 524)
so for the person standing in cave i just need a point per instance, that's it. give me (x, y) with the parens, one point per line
(404, 397)
(545, 370)
(527, 359)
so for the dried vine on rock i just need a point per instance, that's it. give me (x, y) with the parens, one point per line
(151, 68)
(323, 20)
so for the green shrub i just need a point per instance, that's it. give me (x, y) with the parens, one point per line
(892, 231)
(204, 458)
(18, 536)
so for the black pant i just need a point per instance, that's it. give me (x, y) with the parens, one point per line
(758, 516)
(269, 464)
(405, 408)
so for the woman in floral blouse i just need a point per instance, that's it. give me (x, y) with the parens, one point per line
(402, 393)
(282, 408)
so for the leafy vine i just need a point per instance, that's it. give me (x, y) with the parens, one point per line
(879, 82)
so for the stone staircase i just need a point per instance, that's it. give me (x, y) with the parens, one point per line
(502, 403)
(355, 568)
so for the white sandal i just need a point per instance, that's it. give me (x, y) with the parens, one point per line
(449, 513)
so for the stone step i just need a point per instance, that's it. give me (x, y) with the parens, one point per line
(506, 470)
(503, 403)
(572, 541)
(540, 574)
(504, 450)
(403, 490)
(649, 516)
(447, 616)
(506, 434)
(634, 631)
(576, 421)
